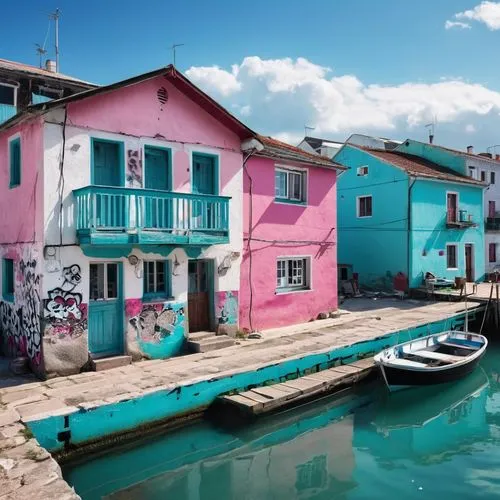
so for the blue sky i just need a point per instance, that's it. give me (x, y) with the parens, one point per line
(394, 65)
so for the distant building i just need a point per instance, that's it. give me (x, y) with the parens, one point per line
(22, 85)
(401, 214)
(321, 147)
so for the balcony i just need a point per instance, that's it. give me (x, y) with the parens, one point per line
(463, 221)
(493, 223)
(122, 216)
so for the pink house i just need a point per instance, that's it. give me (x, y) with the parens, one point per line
(289, 267)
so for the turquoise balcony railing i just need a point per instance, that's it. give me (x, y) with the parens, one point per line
(6, 111)
(114, 215)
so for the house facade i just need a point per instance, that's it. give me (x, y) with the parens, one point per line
(122, 227)
(403, 215)
(484, 167)
(289, 266)
(22, 85)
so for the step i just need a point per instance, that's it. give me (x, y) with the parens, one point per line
(211, 343)
(108, 363)
(197, 336)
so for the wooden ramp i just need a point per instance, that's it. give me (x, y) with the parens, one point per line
(264, 399)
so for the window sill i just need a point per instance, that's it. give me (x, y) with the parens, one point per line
(149, 299)
(286, 291)
(452, 268)
(364, 216)
(284, 201)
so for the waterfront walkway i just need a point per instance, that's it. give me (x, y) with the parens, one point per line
(25, 467)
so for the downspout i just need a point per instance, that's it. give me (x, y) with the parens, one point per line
(408, 236)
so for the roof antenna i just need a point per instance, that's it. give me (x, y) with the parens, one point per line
(430, 128)
(306, 128)
(40, 51)
(55, 16)
(174, 46)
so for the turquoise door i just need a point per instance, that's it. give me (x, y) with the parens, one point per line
(204, 174)
(105, 309)
(157, 176)
(107, 163)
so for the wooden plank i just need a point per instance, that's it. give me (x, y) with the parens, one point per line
(284, 388)
(239, 400)
(323, 376)
(275, 393)
(256, 397)
(305, 386)
(448, 358)
(345, 369)
(364, 363)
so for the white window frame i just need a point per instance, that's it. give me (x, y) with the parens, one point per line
(358, 206)
(305, 286)
(457, 194)
(15, 87)
(456, 256)
(166, 265)
(303, 186)
(362, 171)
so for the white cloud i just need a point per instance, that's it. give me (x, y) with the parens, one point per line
(457, 24)
(470, 129)
(284, 94)
(486, 12)
(213, 78)
(246, 110)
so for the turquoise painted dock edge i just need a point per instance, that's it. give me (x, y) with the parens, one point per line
(87, 425)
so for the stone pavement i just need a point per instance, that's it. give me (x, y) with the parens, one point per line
(21, 458)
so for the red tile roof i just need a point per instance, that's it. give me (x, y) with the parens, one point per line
(416, 166)
(283, 151)
(40, 72)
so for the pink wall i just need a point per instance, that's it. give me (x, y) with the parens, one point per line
(20, 221)
(272, 221)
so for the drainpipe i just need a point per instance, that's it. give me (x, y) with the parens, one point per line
(408, 236)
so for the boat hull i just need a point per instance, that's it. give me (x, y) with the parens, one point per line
(397, 377)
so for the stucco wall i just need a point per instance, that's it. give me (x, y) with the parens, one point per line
(376, 246)
(135, 116)
(430, 234)
(278, 222)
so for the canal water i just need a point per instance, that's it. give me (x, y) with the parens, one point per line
(441, 442)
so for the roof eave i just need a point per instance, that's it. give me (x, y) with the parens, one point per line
(300, 161)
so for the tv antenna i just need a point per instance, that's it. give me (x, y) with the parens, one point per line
(55, 17)
(306, 128)
(430, 129)
(41, 52)
(174, 46)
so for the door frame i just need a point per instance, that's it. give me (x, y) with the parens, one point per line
(472, 257)
(211, 291)
(120, 305)
(121, 158)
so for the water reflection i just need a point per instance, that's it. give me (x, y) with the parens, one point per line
(442, 439)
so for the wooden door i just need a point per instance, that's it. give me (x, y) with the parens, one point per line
(452, 207)
(198, 296)
(491, 209)
(105, 320)
(106, 163)
(469, 263)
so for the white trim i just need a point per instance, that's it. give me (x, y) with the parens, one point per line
(16, 88)
(304, 187)
(307, 275)
(358, 206)
(456, 245)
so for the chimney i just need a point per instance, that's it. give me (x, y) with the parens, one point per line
(470, 149)
(50, 65)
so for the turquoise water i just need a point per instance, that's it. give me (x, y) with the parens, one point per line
(441, 442)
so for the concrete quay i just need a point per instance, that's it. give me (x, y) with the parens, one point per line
(92, 407)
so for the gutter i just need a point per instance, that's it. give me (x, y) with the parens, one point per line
(408, 235)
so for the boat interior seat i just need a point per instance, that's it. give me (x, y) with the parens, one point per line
(460, 346)
(439, 356)
(407, 362)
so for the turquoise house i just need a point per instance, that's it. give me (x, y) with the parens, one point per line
(400, 213)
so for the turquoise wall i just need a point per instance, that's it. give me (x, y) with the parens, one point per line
(376, 247)
(435, 154)
(430, 234)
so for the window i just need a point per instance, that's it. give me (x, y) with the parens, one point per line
(8, 94)
(104, 281)
(483, 176)
(362, 171)
(290, 185)
(364, 206)
(8, 279)
(472, 172)
(292, 274)
(15, 162)
(451, 256)
(156, 278)
(344, 274)
(492, 177)
(492, 251)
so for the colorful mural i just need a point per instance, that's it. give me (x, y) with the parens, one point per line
(158, 329)
(226, 307)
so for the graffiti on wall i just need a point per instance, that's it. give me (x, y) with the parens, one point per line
(134, 168)
(226, 307)
(65, 313)
(20, 319)
(158, 328)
